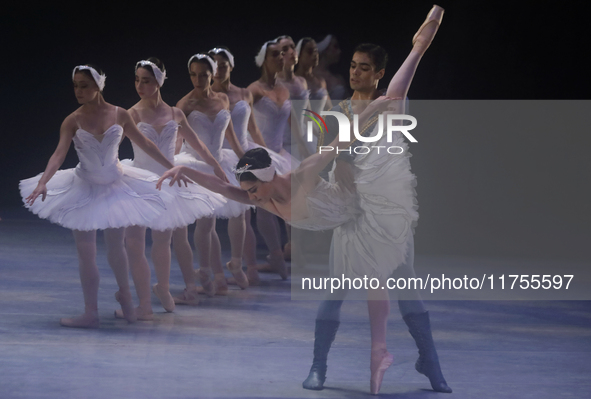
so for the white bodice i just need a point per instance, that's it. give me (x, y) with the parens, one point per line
(99, 160)
(210, 132)
(272, 121)
(165, 141)
(318, 100)
(240, 115)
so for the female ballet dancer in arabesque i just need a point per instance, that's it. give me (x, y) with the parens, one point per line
(383, 207)
(160, 123)
(100, 193)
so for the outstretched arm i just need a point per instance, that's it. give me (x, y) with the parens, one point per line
(130, 130)
(210, 182)
(186, 132)
(67, 131)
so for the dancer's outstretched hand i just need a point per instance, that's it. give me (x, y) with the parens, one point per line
(41, 189)
(219, 172)
(177, 176)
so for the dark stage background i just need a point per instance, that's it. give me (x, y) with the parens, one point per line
(495, 50)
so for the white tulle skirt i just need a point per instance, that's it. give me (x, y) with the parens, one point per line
(187, 205)
(124, 196)
(227, 161)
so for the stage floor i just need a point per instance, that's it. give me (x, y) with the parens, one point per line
(258, 343)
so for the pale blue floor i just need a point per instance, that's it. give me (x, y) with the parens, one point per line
(258, 343)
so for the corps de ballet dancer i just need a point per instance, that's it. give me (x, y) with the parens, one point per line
(100, 193)
(161, 123)
(243, 120)
(383, 207)
(329, 54)
(208, 113)
(307, 53)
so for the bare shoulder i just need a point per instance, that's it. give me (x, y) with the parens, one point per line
(183, 104)
(70, 123)
(177, 113)
(246, 95)
(302, 81)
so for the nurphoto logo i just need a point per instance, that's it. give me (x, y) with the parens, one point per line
(344, 133)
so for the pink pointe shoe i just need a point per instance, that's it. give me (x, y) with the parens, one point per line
(188, 297)
(424, 36)
(239, 276)
(380, 361)
(141, 315)
(166, 299)
(207, 285)
(126, 306)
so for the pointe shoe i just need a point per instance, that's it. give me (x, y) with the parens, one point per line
(208, 287)
(424, 39)
(239, 276)
(380, 361)
(276, 265)
(253, 275)
(166, 299)
(83, 321)
(188, 297)
(141, 315)
(127, 307)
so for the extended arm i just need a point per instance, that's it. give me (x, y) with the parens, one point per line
(210, 182)
(67, 131)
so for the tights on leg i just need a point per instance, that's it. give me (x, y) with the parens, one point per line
(161, 257)
(135, 245)
(89, 279)
(184, 255)
(409, 300)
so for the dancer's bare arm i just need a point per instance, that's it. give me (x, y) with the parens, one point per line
(210, 182)
(67, 132)
(186, 132)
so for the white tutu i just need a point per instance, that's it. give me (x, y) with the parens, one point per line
(100, 193)
(212, 134)
(189, 203)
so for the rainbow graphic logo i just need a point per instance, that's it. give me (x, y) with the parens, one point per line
(320, 122)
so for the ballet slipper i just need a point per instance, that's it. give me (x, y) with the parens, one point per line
(207, 285)
(187, 297)
(166, 299)
(141, 315)
(380, 361)
(424, 36)
(126, 306)
(87, 320)
(239, 277)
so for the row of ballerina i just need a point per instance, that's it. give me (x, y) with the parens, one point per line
(208, 130)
